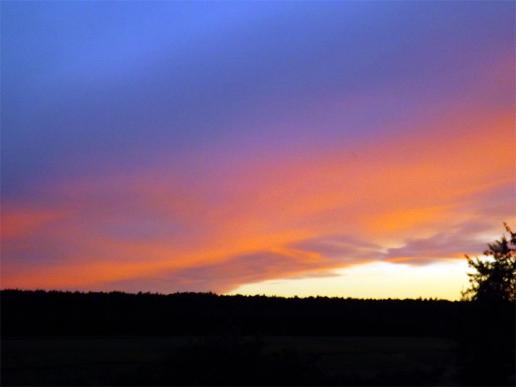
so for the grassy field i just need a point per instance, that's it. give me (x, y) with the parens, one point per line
(278, 360)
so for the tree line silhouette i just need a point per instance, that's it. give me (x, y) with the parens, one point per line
(95, 313)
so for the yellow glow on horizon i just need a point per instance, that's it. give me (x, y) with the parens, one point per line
(443, 280)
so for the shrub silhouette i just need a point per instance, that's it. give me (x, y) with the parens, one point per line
(487, 333)
(494, 279)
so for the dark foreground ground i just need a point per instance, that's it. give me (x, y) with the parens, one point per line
(195, 360)
(203, 339)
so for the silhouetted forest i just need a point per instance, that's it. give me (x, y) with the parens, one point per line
(203, 338)
(78, 314)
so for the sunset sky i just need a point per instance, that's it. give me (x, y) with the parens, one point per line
(292, 148)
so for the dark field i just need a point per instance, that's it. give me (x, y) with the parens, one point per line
(142, 360)
(53, 338)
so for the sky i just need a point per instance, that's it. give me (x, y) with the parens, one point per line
(354, 149)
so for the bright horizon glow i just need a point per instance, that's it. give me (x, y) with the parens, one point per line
(378, 280)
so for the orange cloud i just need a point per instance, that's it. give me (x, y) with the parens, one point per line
(391, 190)
(20, 222)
